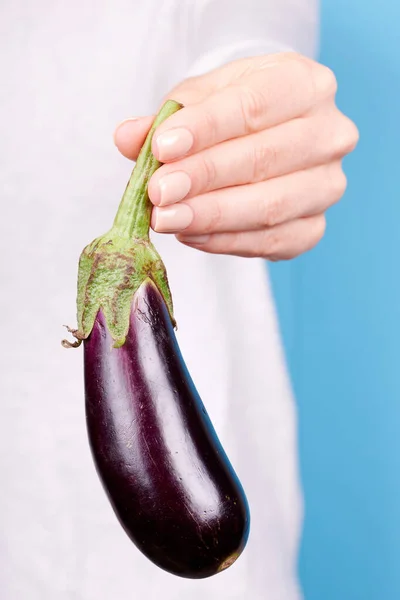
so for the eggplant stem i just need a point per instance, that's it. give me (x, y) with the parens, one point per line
(134, 212)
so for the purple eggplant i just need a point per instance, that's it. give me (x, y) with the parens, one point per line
(156, 452)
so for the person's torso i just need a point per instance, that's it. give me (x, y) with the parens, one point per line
(68, 76)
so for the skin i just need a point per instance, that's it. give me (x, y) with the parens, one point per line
(253, 161)
(157, 454)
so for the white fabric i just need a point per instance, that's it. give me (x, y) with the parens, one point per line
(69, 72)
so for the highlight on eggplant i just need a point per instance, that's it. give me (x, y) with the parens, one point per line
(155, 450)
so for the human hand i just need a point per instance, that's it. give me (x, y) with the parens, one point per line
(253, 161)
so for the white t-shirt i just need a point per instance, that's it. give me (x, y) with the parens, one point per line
(69, 72)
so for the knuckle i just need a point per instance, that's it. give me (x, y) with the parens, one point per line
(303, 75)
(229, 243)
(322, 229)
(353, 134)
(319, 229)
(262, 158)
(292, 56)
(209, 127)
(270, 244)
(341, 185)
(209, 174)
(308, 77)
(252, 105)
(214, 217)
(325, 81)
(305, 70)
(273, 258)
(328, 81)
(337, 181)
(346, 138)
(271, 211)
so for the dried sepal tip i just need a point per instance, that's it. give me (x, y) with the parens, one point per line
(77, 334)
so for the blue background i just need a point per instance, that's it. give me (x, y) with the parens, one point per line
(340, 316)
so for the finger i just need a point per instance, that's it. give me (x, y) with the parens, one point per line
(257, 206)
(258, 100)
(297, 145)
(196, 89)
(130, 134)
(282, 242)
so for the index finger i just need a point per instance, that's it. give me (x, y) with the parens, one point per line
(274, 92)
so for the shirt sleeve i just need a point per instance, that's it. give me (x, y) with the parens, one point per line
(226, 30)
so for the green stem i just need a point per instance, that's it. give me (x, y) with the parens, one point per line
(134, 212)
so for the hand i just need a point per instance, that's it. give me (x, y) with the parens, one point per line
(254, 159)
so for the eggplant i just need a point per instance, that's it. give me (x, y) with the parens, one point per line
(155, 449)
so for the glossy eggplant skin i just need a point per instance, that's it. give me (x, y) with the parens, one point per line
(157, 454)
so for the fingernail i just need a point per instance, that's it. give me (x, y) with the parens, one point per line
(173, 187)
(171, 219)
(122, 123)
(194, 239)
(173, 144)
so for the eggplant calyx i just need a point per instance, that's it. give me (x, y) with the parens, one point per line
(111, 270)
(77, 335)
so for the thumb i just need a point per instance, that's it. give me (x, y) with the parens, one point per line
(130, 134)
